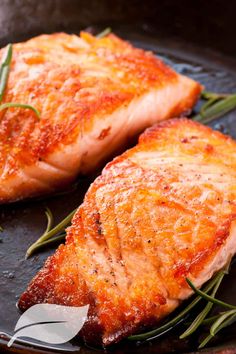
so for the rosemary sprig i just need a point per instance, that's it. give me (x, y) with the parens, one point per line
(210, 320)
(4, 74)
(208, 95)
(216, 106)
(209, 298)
(207, 104)
(4, 70)
(53, 240)
(50, 220)
(202, 315)
(179, 318)
(50, 232)
(19, 105)
(223, 321)
(104, 33)
(220, 321)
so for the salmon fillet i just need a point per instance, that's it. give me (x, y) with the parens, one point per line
(93, 94)
(163, 211)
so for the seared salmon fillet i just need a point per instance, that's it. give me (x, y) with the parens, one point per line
(163, 211)
(93, 95)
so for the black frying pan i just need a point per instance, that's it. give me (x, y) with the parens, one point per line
(198, 39)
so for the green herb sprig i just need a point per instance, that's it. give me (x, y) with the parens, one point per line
(4, 70)
(40, 245)
(50, 235)
(202, 315)
(217, 322)
(215, 282)
(19, 105)
(223, 321)
(104, 33)
(216, 105)
(4, 74)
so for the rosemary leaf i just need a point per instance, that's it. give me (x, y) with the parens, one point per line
(205, 341)
(207, 104)
(48, 234)
(228, 320)
(208, 297)
(198, 321)
(4, 69)
(33, 247)
(50, 219)
(39, 245)
(179, 318)
(211, 319)
(217, 109)
(217, 324)
(19, 105)
(207, 95)
(202, 315)
(104, 33)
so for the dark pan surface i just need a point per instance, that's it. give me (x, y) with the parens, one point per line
(24, 222)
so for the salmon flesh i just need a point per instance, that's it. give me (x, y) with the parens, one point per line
(163, 211)
(93, 94)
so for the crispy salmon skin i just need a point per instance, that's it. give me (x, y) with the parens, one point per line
(163, 211)
(93, 96)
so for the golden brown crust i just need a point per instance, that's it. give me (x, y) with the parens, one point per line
(62, 76)
(94, 95)
(158, 213)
